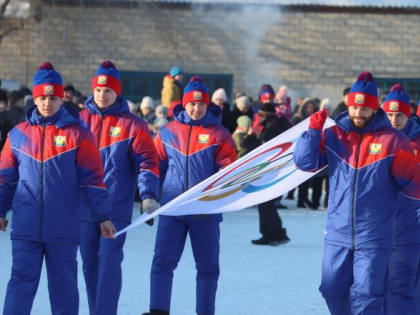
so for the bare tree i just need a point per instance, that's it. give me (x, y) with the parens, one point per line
(14, 14)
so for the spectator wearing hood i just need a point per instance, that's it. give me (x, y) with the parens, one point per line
(147, 108)
(172, 87)
(161, 113)
(242, 106)
(265, 96)
(219, 98)
(244, 137)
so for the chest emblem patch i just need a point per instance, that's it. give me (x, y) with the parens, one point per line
(115, 131)
(203, 138)
(375, 148)
(59, 141)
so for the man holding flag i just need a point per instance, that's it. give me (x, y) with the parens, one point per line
(190, 149)
(370, 163)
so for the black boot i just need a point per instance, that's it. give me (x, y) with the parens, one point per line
(260, 241)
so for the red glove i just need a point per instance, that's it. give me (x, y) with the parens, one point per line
(318, 119)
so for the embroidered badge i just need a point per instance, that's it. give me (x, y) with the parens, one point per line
(59, 141)
(197, 95)
(115, 131)
(48, 90)
(375, 148)
(203, 138)
(102, 79)
(394, 106)
(359, 98)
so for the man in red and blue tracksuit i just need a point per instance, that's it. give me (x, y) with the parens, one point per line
(129, 158)
(190, 149)
(370, 164)
(48, 165)
(404, 266)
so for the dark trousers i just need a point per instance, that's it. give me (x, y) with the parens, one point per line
(271, 226)
(317, 190)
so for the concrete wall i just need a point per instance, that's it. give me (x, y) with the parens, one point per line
(314, 52)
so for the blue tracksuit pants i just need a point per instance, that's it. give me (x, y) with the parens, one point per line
(102, 258)
(353, 281)
(403, 277)
(61, 265)
(204, 233)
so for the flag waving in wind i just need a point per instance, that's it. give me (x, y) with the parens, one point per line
(263, 174)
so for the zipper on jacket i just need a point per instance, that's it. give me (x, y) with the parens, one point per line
(353, 210)
(100, 130)
(42, 182)
(99, 143)
(188, 152)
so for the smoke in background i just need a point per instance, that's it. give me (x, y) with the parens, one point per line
(255, 30)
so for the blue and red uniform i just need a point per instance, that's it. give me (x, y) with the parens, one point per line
(368, 168)
(48, 165)
(129, 158)
(404, 265)
(189, 151)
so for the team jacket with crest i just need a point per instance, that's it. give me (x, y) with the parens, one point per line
(407, 224)
(368, 168)
(190, 151)
(45, 165)
(127, 152)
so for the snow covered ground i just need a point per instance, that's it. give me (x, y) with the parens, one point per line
(254, 280)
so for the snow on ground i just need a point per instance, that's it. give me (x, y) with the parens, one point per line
(254, 280)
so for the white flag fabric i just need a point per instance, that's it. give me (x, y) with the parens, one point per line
(263, 174)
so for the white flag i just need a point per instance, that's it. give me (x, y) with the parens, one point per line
(263, 174)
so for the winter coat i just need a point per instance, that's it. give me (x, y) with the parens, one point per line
(172, 90)
(46, 165)
(407, 223)
(367, 169)
(301, 113)
(227, 118)
(244, 142)
(5, 127)
(340, 108)
(190, 151)
(127, 152)
(273, 126)
(15, 115)
(236, 113)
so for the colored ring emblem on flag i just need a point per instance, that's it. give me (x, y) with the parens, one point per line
(242, 181)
